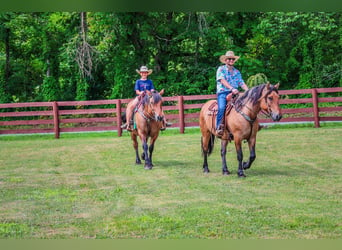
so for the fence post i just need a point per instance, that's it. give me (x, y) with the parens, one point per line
(181, 114)
(55, 119)
(315, 108)
(118, 116)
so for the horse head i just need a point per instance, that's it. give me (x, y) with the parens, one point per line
(269, 101)
(154, 105)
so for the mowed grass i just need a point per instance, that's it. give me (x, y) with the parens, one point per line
(88, 186)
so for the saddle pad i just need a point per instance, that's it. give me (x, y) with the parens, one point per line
(212, 110)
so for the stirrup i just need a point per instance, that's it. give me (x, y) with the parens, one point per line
(129, 128)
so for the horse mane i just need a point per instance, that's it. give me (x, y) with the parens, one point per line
(155, 95)
(253, 95)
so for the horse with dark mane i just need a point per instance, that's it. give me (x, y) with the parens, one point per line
(241, 123)
(148, 121)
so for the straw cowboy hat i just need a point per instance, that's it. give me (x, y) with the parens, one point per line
(144, 69)
(229, 54)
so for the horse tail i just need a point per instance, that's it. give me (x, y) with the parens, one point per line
(210, 144)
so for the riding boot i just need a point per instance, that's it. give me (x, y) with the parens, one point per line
(164, 125)
(220, 130)
(130, 126)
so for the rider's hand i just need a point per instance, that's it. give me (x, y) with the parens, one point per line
(235, 91)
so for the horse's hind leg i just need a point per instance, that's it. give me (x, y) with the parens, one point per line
(239, 157)
(252, 155)
(225, 170)
(135, 145)
(205, 140)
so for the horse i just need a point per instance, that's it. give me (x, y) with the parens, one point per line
(240, 123)
(148, 121)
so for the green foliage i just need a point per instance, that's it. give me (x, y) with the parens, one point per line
(42, 50)
(50, 89)
(257, 79)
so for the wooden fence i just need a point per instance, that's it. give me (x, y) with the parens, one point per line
(306, 105)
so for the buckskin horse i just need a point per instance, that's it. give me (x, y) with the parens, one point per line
(241, 123)
(148, 121)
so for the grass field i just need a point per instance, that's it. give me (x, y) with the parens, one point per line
(87, 186)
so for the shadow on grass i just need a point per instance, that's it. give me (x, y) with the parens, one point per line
(171, 163)
(271, 172)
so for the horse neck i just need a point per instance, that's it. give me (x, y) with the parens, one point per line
(251, 110)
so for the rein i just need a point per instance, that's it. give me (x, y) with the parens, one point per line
(147, 116)
(248, 118)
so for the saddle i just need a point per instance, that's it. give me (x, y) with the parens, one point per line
(213, 108)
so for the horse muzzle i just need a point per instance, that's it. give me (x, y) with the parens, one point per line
(159, 118)
(276, 116)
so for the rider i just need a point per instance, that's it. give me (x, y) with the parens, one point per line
(141, 85)
(228, 80)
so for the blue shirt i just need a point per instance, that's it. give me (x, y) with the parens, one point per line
(234, 78)
(143, 85)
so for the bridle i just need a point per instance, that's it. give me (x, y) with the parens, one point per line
(248, 118)
(148, 116)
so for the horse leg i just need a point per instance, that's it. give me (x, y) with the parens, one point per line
(148, 164)
(225, 170)
(135, 146)
(150, 149)
(252, 155)
(239, 157)
(205, 140)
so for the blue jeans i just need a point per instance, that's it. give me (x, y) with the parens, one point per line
(221, 103)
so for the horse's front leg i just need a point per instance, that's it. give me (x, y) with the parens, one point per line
(225, 170)
(239, 157)
(252, 155)
(151, 148)
(148, 164)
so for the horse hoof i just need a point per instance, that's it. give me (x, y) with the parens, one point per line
(245, 166)
(241, 175)
(148, 167)
(138, 162)
(206, 171)
(226, 173)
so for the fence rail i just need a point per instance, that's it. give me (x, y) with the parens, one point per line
(305, 105)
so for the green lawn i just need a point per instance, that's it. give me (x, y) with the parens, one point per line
(87, 186)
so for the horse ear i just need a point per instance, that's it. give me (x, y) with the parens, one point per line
(161, 92)
(277, 85)
(268, 85)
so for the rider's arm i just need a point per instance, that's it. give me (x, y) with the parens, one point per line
(244, 86)
(138, 92)
(226, 83)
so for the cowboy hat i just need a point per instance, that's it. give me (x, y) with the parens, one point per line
(229, 54)
(144, 69)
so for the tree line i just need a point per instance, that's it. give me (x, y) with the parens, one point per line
(47, 56)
